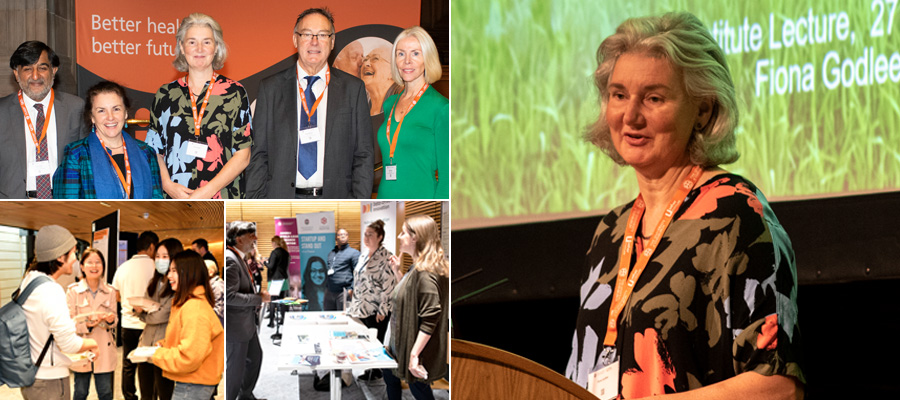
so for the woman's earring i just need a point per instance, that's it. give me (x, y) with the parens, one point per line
(93, 128)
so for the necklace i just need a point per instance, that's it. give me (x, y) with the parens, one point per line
(117, 147)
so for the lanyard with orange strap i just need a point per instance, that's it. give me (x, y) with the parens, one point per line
(125, 178)
(198, 116)
(604, 381)
(624, 282)
(390, 171)
(34, 137)
(310, 112)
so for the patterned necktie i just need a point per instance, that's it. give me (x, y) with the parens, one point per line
(42, 181)
(307, 152)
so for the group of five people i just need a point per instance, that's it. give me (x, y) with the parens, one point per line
(310, 135)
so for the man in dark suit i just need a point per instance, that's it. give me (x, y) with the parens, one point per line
(312, 136)
(243, 353)
(36, 124)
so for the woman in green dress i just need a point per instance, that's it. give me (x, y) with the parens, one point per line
(416, 163)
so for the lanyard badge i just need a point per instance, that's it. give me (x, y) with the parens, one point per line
(390, 170)
(197, 148)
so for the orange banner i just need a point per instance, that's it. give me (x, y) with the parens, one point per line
(133, 42)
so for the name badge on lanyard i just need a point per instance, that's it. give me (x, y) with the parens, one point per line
(604, 383)
(41, 168)
(310, 135)
(390, 172)
(197, 149)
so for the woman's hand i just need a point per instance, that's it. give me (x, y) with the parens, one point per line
(177, 190)
(203, 192)
(91, 322)
(110, 318)
(379, 317)
(161, 342)
(416, 368)
(138, 309)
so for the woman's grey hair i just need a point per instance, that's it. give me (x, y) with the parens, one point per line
(683, 40)
(200, 19)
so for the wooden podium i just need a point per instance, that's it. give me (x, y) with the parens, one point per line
(483, 372)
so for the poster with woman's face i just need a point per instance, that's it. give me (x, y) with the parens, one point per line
(369, 58)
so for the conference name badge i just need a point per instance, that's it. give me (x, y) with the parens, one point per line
(604, 383)
(309, 135)
(197, 149)
(41, 168)
(390, 172)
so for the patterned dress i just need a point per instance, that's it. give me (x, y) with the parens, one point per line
(718, 297)
(226, 129)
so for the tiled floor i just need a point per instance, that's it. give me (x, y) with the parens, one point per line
(15, 394)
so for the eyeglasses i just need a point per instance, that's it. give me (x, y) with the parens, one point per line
(307, 36)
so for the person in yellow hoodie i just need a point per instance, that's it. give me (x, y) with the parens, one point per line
(193, 351)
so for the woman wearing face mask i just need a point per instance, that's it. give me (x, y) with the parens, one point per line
(151, 377)
(108, 163)
(314, 283)
(94, 297)
(193, 352)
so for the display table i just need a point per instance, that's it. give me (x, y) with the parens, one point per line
(333, 341)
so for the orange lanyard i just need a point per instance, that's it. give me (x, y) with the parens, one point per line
(125, 180)
(309, 113)
(34, 137)
(198, 118)
(625, 287)
(400, 124)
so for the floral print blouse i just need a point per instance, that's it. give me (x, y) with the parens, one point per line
(718, 297)
(225, 130)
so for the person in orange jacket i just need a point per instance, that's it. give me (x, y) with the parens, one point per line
(192, 353)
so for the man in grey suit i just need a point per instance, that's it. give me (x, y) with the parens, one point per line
(304, 147)
(34, 138)
(243, 354)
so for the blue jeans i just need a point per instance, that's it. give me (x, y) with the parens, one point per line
(420, 390)
(103, 383)
(192, 391)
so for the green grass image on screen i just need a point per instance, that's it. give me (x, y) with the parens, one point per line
(522, 81)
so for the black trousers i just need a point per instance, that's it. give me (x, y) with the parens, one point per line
(242, 363)
(370, 322)
(130, 339)
(153, 384)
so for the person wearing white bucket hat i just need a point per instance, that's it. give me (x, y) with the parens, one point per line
(46, 314)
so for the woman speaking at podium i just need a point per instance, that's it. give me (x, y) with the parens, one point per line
(692, 286)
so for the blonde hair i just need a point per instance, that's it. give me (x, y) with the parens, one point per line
(681, 39)
(200, 19)
(279, 242)
(429, 250)
(433, 69)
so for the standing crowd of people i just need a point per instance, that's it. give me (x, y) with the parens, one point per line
(371, 286)
(167, 301)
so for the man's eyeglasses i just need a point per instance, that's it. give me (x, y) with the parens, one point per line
(307, 36)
